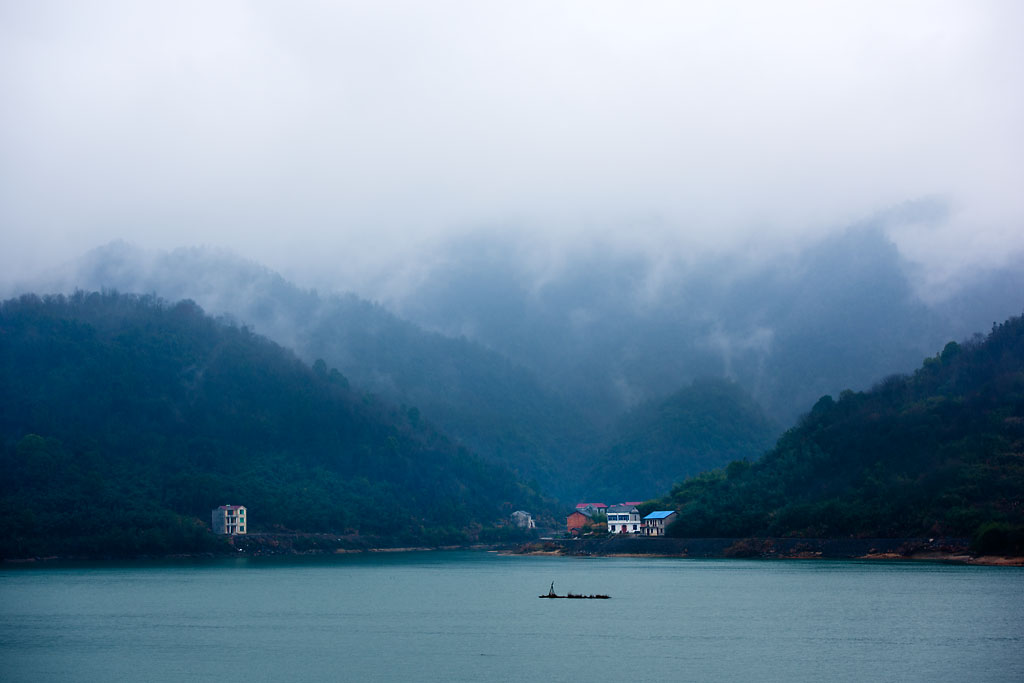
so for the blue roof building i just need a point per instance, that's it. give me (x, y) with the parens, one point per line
(655, 523)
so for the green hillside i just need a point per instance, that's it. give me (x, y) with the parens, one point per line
(124, 420)
(940, 452)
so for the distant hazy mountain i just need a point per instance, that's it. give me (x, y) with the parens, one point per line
(124, 420)
(701, 427)
(534, 367)
(621, 328)
(936, 453)
(491, 404)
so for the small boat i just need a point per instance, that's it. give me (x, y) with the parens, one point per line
(572, 596)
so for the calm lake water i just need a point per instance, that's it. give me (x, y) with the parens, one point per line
(475, 616)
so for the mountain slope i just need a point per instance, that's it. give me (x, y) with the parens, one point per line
(940, 452)
(701, 427)
(124, 419)
(620, 327)
(478, 396)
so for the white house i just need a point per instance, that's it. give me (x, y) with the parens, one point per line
(229, 519)
(523, 520)
(655, 523)
(623, 519)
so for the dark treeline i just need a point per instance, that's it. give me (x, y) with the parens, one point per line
(936, 453)
(124, 420)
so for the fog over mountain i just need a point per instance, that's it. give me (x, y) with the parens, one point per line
(537, 372)
(527, 219)
(341, 142)
(627, 327)
(490, 403)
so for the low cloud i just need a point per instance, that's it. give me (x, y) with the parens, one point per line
(343, 143)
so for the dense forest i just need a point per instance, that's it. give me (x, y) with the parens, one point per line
(936, 453)
(557, 373)
(125, 419)
(493, 406)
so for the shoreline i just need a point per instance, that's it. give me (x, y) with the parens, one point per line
(981, 560)
(946, 550)
(267, 546)
(954, 551)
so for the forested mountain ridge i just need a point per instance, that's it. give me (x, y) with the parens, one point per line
(700, 427)
(550, 369)
(492, 405)
(939, 452)
(124, 420)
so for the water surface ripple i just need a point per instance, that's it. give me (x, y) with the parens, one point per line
(475, 616)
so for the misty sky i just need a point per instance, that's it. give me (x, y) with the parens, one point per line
(335, 139)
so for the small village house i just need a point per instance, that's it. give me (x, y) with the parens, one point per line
(229, 519)
(523, 520)
(586, 515)
(623, 519)
(591, 509)
(655, 523)
(577, 522)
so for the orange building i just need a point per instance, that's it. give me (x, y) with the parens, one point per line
(576, 522)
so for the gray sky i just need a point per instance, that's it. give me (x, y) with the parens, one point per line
(331, 137)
